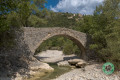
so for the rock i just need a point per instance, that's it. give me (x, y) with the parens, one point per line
(63, 63)
(39, 68)
(18, 77)
(6, 78)
(74, 61)
(35, 66)
(72, 67)
(81, 64)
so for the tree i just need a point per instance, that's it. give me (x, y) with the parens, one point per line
(14, 14)
(35, 21)
(107, 17)
(40, 3)
(6, 34)
(24, 11)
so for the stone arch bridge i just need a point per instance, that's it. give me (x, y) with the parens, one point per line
(33, 37)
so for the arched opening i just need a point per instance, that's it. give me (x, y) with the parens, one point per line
(66, 43)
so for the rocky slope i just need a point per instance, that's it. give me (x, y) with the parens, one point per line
(90, 72)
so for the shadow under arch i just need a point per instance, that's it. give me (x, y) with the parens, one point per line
(72, 38)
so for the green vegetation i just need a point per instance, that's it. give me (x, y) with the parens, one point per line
(13, 15)
(103, 26)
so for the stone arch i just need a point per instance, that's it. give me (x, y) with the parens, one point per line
(78, 43)
(35, 36)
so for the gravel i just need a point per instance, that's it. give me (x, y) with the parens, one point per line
(90, 72)
(52, 56)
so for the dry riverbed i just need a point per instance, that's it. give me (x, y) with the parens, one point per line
(93, 71)
(90, 72)
(41, 70)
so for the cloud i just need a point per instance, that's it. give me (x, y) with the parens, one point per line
(77, 6)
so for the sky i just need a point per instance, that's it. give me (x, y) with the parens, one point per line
(73, 6)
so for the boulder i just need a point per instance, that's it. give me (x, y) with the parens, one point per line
(63, 63)
(74, 61)
(81, 64)
(37, 65)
